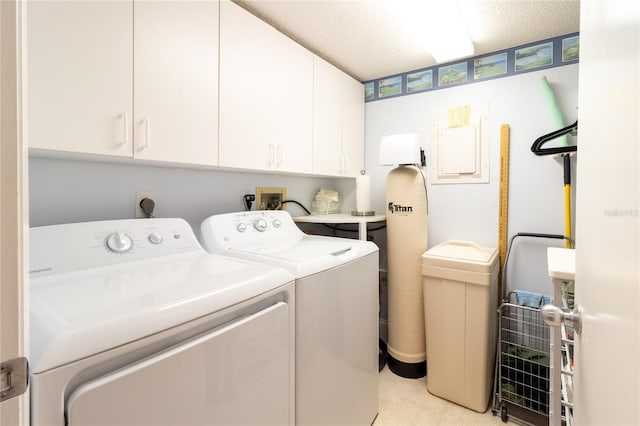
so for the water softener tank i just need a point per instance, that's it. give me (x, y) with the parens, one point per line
(406, 242)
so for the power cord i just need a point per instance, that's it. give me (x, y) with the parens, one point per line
(424, 181)
(147, 205)
(248, 201)
(326, 225)
(298, 204)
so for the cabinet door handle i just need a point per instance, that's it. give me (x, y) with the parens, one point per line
(147, 134)
(272, 155)
(342, 164)
(279, 158)
(125, 129)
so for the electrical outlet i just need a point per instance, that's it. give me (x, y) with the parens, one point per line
(140, 195)
(270, 198)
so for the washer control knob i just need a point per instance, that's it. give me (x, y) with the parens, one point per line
(277, 223)
(241, 227)
(155, 238)
(260, 225)
(119, 242)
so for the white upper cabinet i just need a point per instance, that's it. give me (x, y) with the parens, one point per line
(338, 122)
(186, 82)
(176, 81)
(95, 85)
(79, 87)
(352, 125)
(266, 96)
(327, 118)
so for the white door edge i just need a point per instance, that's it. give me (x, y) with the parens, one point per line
(14, 208)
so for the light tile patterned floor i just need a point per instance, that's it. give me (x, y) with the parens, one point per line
(406, 402)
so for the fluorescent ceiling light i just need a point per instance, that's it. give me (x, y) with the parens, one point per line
(452, 46)
(449, 38)
(438, 26)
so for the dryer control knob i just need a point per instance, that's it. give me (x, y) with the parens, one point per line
(119, 242)
(277, 223)
(260, 225)
(155, 238)
(241, 227)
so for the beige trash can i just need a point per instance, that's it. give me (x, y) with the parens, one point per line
(460, 281)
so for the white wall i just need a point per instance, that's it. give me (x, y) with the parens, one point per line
(64, 191)
(470, 211)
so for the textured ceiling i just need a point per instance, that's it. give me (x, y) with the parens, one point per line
(361, 38)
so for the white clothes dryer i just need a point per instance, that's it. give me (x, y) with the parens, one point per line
(336, 310)
(133, 323)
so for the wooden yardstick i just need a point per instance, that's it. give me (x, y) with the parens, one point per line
(504, 202)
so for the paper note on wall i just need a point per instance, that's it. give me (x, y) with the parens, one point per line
(459, 117)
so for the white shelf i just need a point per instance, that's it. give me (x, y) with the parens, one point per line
(561, 263)
(362, 221)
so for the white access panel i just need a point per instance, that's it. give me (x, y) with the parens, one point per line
(209, 380)
(457, 150)
(460, 146)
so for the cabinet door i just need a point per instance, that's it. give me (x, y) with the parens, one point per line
(79, 86)
(176, 81)
(266, 89)
(327, 118)
(352, 126)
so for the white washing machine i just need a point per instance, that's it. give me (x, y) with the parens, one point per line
(133, 323)
(336, 310)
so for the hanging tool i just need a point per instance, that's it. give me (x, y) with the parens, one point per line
(565, 150)
(567, 198)
(537, 149)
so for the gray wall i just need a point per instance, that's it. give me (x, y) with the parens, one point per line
(64, 190)
(470, 211)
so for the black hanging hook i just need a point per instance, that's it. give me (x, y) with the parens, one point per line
(537, 149)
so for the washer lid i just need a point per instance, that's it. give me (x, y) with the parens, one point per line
(272, 236)
(78, 314)
(306, 255)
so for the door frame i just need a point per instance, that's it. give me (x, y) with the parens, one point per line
(14, 207)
